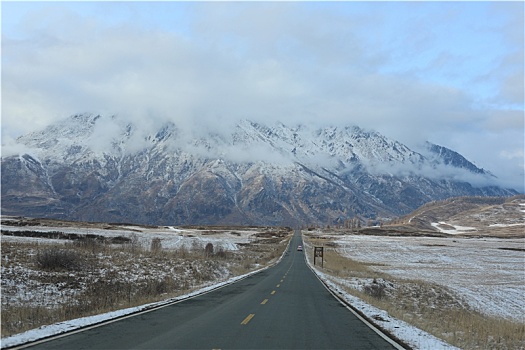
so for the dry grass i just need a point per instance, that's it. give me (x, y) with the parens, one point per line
(430, 307)
(44, 284)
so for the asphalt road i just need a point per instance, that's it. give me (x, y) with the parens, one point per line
(284, 307)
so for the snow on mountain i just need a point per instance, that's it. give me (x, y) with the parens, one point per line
(102, 168)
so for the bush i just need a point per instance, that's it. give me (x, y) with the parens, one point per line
(156, 245)
(93, 246)
(221, 254)
(375, 290)
(58, 259)
(208, 250)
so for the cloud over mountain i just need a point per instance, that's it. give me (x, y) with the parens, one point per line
(447, 72)
(258, 174)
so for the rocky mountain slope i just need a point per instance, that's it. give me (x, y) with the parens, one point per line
(97, 168)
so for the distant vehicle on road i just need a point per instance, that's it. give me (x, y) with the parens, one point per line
(300, 248)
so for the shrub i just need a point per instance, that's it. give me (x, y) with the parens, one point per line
(58, 259)
(91, 245)
(156, 245)
(134, 243)
(208, 250)
(221, 253)
(375, 290)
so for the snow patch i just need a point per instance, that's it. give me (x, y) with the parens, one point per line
(506, 225)
(456, 228)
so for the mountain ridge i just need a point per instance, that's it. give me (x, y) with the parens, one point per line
(97, 168)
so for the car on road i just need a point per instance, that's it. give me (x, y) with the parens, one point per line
(299, 248)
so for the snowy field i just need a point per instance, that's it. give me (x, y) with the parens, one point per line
(489, 273)
(26, 285)
(173, 238)
(21, 281)
(417, 338)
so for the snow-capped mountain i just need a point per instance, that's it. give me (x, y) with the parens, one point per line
(100, 168)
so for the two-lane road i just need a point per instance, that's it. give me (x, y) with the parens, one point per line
(284, 307)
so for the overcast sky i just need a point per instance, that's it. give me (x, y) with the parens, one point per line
(448, 72)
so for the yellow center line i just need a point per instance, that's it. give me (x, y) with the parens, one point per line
(273, 292)
(264, 301)
(247, 319)
(278, 285)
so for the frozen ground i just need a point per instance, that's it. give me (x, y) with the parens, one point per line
(172, 238)
(415, 337)
(489, 272)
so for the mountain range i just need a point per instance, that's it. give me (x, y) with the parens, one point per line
(103, 168)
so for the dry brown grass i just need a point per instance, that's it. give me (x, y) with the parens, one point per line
(100, 277)
(430, 307)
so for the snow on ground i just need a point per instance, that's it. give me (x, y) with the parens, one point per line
(488, 272)
(455, 228)
(170, 237)
(505, 225)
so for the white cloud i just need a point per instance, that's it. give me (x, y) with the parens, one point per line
(436, 172)
(411, 71)
(11, 148)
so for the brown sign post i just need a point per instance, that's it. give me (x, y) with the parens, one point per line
(318, 253)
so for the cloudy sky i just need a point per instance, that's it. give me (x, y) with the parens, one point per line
(448, 72)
